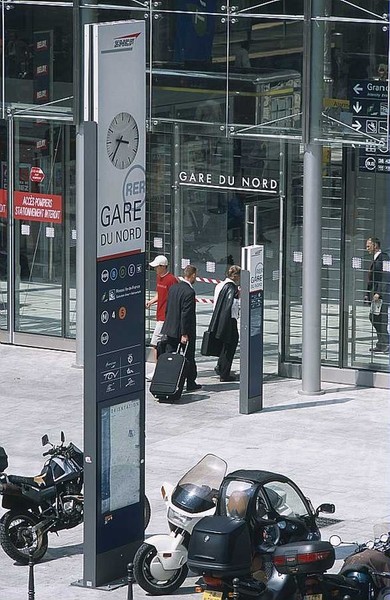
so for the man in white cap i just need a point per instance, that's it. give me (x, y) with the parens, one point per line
(164, 281)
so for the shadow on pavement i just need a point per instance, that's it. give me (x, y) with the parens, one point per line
(62, 551)
(307, 404)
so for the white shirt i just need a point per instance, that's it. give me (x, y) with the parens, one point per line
(235, 312)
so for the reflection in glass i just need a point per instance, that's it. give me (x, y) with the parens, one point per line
(39, 56)
(367, 216)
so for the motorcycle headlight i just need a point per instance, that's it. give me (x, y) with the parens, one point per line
(177, 518)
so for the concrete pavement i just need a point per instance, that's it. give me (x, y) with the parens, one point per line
(336, 447)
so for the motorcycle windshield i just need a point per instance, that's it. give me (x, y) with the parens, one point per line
(198, 489)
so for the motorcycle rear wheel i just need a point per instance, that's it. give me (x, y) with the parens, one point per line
(142, 571)
(17, 538)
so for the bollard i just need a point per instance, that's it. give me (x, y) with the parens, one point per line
(130, 581)
(31, 588)
(236, 593)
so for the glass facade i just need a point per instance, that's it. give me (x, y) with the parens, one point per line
(228, 113)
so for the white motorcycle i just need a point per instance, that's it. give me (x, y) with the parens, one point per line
(160, 564)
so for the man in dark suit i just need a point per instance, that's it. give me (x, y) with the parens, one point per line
(378, 293)
(180, 322)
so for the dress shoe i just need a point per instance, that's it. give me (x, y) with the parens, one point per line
(229, 378)
(376, 349)
(194, 387)
(216, 369)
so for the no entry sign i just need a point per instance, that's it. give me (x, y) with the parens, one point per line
(36, 174)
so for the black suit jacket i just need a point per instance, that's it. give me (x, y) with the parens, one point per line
(180, 317)
(378, 279)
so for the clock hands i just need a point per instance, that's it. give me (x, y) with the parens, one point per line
(122, 140)
(119, 142)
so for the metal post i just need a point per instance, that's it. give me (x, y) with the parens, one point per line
(80, 246)
(130, 581)
(12, 255)
(312, 201)
(31, 587)
(236, 591)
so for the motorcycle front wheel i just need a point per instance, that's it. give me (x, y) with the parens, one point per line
(147, 512)
(150, 575)
(17, 536)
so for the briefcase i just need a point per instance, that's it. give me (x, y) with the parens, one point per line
(169, 376)
(210, 345)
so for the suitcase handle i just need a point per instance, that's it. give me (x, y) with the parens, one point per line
(179, 348)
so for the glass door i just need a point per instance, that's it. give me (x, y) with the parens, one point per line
(41, 199)
(3, 235)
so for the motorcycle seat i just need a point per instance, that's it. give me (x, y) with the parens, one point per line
(19, 480)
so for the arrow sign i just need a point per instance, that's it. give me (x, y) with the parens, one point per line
(357, 125)
(357, 107)
(357, 88)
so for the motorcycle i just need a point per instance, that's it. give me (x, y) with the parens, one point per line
(160, 564)
(365, 574)
(257, 512)
(49, 502)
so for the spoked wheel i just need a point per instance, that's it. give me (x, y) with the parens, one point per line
(17, 536)
(152, 577)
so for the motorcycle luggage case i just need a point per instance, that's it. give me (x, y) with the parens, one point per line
(3, 459)
(168, 379)
(304, 557)
(220, 546)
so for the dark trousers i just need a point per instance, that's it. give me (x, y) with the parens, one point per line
(379, 322)
(225, 360)
(191, 374)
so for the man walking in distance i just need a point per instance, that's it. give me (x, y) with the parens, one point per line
(223, 322)
(180, 322)
(164, 281)
(378, 293)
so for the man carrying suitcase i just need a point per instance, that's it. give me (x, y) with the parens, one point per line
(180, 322)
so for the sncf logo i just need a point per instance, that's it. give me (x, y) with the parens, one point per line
(126, 41)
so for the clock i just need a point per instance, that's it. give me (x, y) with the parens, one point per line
(122, 140)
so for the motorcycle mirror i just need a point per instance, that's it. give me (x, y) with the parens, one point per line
(45, 439)
(384, 538)
(335, 540)
(62, 437)
(326, 508)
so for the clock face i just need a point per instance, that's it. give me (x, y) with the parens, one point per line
(122, 140)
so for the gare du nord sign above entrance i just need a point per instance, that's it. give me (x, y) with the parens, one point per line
(262, 185)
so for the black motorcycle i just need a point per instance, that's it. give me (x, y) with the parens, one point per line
(364, 575)
(257, 511)
(49, 502)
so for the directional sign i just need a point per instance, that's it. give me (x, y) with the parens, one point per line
(370, 117)
(369, 103)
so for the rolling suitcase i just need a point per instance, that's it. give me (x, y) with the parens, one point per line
(169, 376)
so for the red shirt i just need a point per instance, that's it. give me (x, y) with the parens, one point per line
(163, 285)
